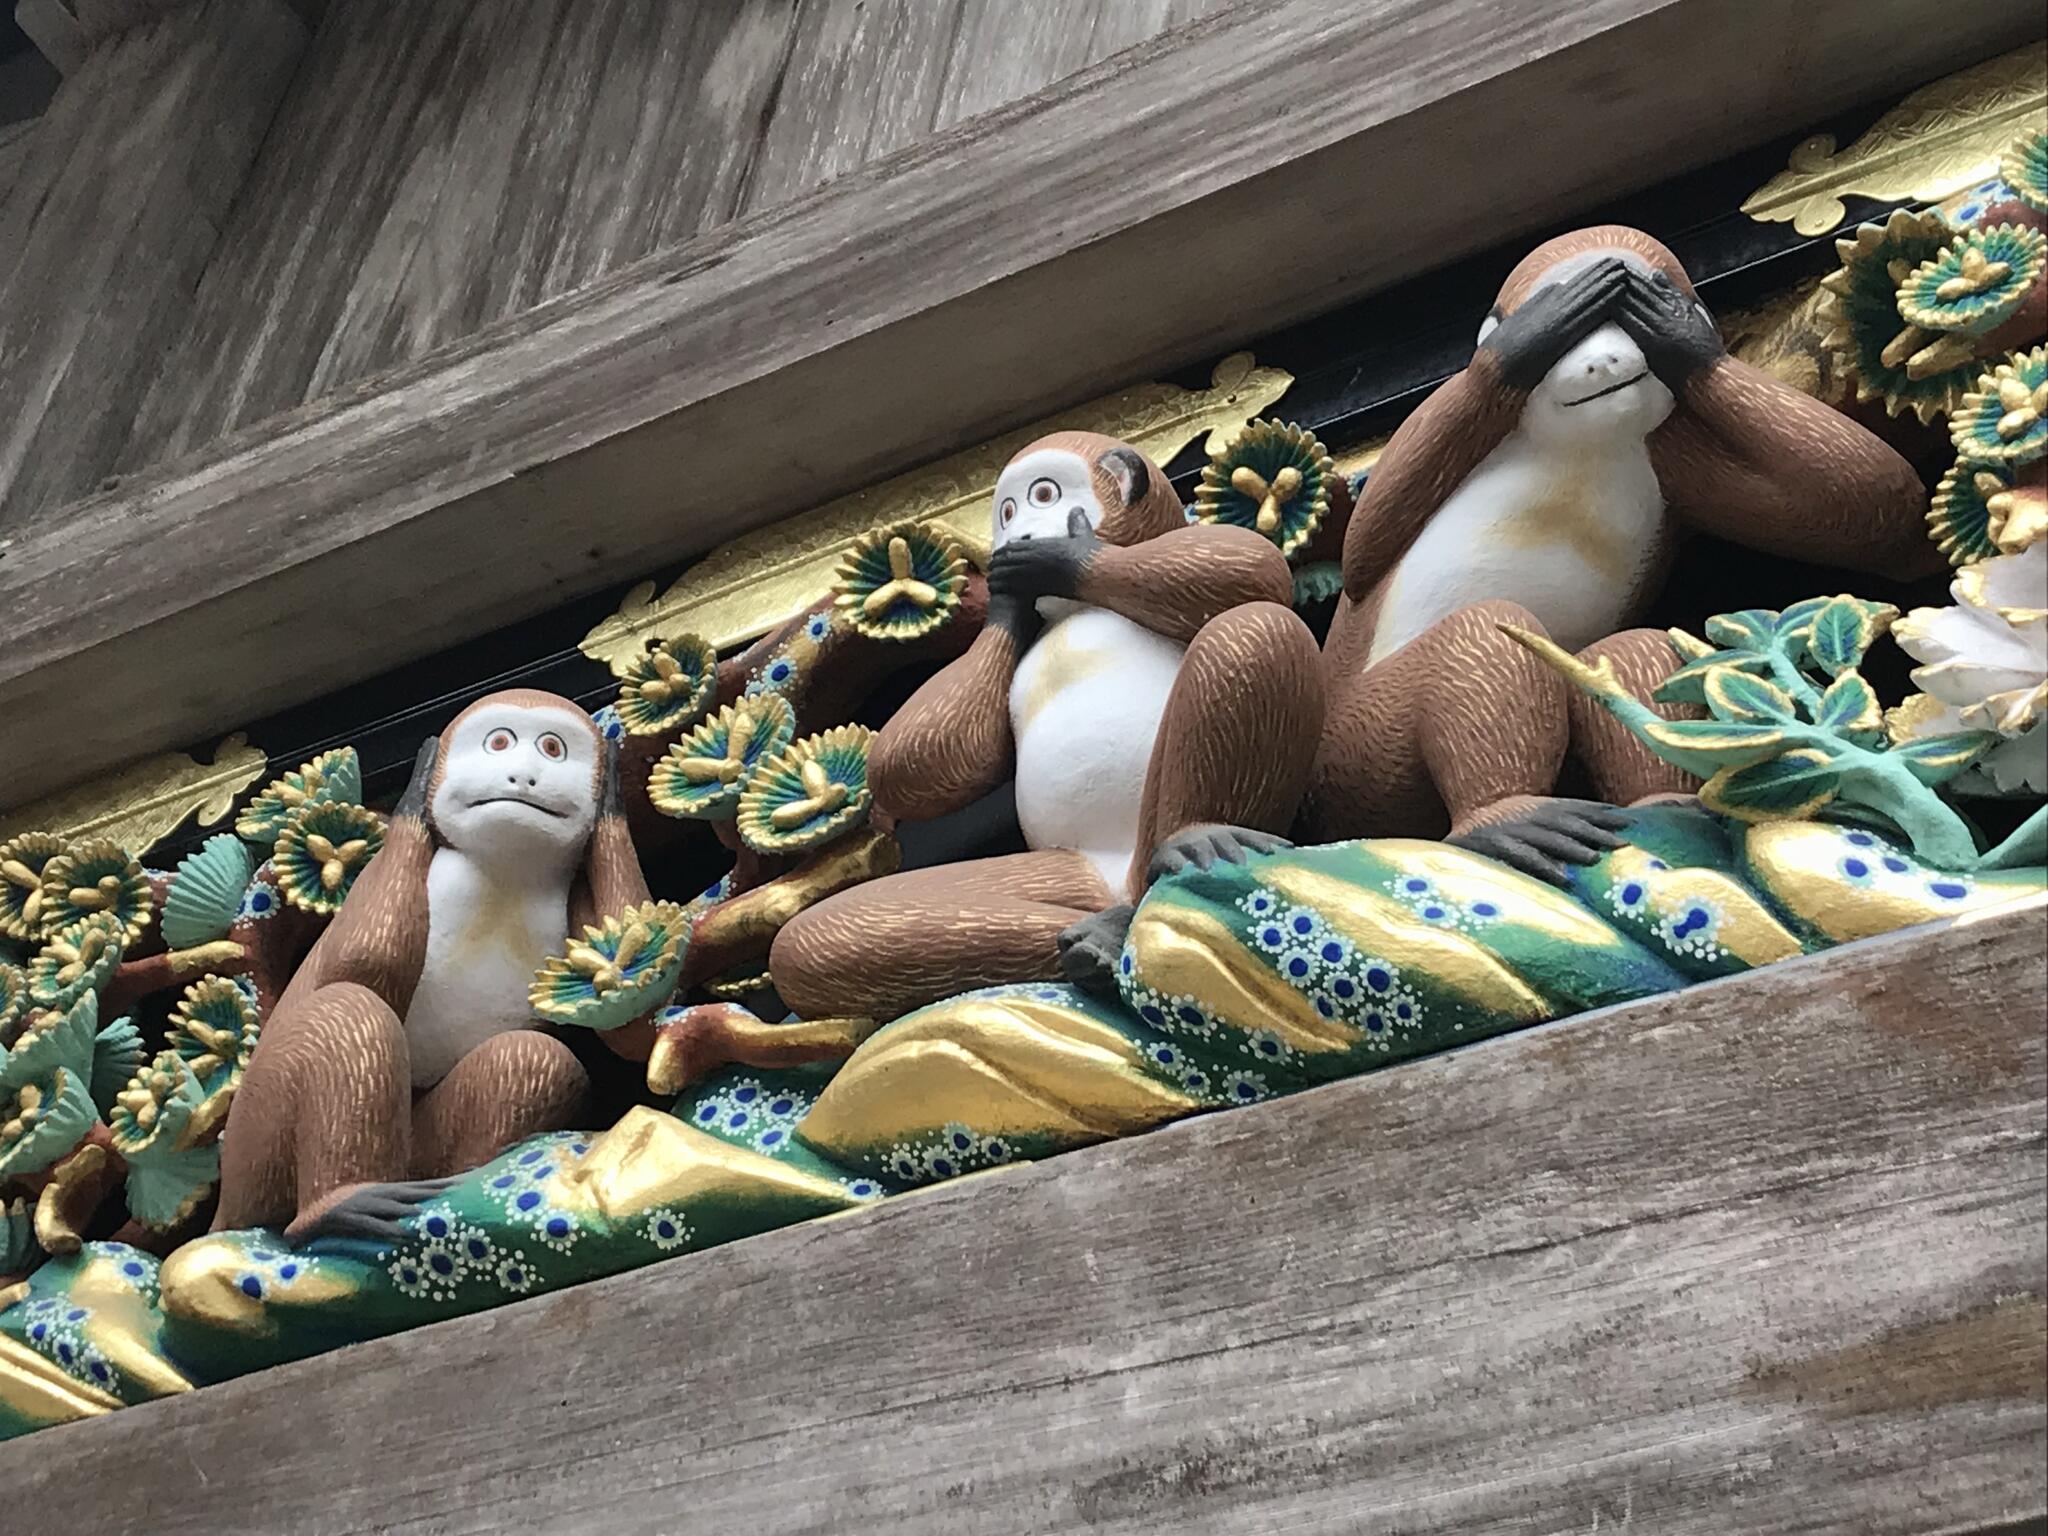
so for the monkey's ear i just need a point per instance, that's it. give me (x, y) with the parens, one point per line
(1133, 476)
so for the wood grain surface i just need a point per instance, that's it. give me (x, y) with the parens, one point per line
(1030, 256)
(1763, 1256)
(111, 217)
(440, 167)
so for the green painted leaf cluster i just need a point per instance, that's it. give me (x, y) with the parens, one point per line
(1795, 727)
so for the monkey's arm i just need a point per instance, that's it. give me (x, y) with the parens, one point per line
(1178, 582)
(1757, 462)
(950, 743)
(379, 937)
(1427, 458)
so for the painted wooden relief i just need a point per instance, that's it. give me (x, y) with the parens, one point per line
(329, 1077)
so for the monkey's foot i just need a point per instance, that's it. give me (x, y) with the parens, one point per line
(369, 1212)
(1208, 844)
(1545, 837)
(1089, 951)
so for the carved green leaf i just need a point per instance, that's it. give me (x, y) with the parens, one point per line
(1317, 582)
(1849, 708)
(1937, 759)
(1749, 630)
(1702, 746)
(1688, 685)
(1842, 632)
(1796, 784)
(1734, 694)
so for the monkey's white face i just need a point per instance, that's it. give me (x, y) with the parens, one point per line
(518, 782)
(1602, 388)
(1038, 493)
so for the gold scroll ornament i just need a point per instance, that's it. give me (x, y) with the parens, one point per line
(145, 801)
(1942, 138)
(756, 582)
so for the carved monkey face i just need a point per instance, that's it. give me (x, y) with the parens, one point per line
(1038, 493)
(1121, 492)
(1602, 388)
(518, 778)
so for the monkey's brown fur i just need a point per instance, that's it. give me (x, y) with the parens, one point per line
(1455, 728)
(1233, 747)
(327, 1103)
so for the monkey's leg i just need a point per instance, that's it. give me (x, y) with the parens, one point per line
(1239, 734)
(1460, 709)
(326, 1102)
(512, 1086)
(883, 948)
(1622, 769)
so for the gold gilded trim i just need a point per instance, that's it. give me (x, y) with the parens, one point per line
(1942, 138)
(36, 1390)
(1383, 927)
(1005, 1065)
(765, 577)
(1184, 952)
(142, 803)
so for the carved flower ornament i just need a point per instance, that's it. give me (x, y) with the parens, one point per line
(618, 970)
(669, 688)
(332, 776)
(1274, 478)
(900, 582)
(704, 774)
(322, 850)
(1984, 667)
(809, 793)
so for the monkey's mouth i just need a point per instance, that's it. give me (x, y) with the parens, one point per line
(1611, 389)
(531, 805)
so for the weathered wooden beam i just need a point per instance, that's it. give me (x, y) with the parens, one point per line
(1768, 1255)
(108, 223)
(1147, 212)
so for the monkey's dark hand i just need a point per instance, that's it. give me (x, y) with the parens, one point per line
(370, 1213)
(1551, 321)
(1546, 838)
(1677, 335)
(413, 802)
(1031, 568)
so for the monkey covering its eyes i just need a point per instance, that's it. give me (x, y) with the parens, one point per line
(1543, 487)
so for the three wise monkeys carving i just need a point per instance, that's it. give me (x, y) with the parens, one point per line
(1145, 684)
(1156, 702)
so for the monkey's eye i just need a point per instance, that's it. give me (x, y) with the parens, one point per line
(1007, 511)
(551, 747)
(1044, 493)
(500, 740)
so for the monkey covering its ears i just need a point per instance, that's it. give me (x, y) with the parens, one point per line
(1543, 487)
(1149, 690)
(405, 1046)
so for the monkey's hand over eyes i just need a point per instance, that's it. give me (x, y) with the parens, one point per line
(1031, 568)
(413, 802)
(1551, 321)
(1677, 335)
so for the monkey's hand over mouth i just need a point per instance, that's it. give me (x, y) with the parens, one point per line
(1030, 568)
(1677, 335)
(1527, 342)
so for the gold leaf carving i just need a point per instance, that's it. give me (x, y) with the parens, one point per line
(759, 580)
(145, 801)
(1942, 138)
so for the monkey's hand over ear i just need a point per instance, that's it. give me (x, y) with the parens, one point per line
(1677, 335)
(1551, 321)
(1031, 568)
(413, 802)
